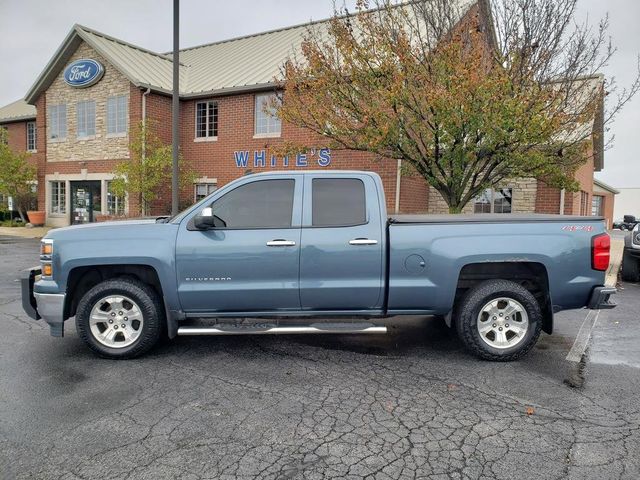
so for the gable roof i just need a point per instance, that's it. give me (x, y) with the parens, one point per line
(604, 186)
(17, 111)
(239, 64)
(143, 68)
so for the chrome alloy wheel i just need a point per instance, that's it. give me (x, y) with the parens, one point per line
(116, 321)
(502, 323)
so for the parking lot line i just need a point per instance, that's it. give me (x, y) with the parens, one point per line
(582, 339)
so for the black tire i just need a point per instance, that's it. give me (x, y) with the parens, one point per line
(150, 307)
(467, 312)
(630, 268)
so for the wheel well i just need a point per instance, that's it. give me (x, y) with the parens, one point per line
(83, 279)
(531, 275)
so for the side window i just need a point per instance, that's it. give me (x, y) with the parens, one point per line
(338, 202)
(261, 204)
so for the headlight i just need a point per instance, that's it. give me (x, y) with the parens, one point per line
(636, 238)
(46, 254)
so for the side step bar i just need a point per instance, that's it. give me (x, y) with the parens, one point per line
(270, 329)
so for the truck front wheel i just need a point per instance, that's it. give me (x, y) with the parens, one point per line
(499, 320)
(120, 318)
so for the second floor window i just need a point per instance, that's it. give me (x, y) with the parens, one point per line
(57, 122)
(31, 136)
(117, 115)
(86, 112)
(207, 119)
(267, 122)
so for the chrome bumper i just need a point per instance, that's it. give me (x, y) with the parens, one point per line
(48, 306)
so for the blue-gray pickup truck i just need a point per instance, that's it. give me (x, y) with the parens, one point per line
(315, 252)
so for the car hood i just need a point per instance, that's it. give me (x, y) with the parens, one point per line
(102, 228)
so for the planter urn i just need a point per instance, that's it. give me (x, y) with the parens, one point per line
(36, 217)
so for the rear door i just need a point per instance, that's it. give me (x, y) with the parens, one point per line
(341, 257)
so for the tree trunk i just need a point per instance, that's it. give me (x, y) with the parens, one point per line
(20, 212)
(455, 209)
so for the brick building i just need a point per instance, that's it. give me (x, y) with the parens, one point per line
(79, 130)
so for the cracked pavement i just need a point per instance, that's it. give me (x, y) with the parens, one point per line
(412, 403)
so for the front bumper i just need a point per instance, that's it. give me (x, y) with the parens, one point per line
(48, 306)
(600, 298)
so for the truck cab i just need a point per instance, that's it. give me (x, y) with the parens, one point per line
(311, 242)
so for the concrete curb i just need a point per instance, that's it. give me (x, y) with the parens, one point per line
(24, 232)
(617, 248)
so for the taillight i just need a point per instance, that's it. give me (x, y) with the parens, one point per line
(600, 249)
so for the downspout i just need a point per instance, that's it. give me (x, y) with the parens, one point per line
(398, 175)
(561, 212)
(144, 139)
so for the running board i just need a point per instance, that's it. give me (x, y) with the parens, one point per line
(270, 329)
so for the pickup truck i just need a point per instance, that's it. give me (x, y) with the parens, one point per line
(314, 252)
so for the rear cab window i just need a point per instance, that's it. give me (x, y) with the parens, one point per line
(338, 202)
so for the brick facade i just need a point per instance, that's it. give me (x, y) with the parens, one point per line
(100, 146)
(213, 160)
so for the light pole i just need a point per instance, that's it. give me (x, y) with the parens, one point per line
(175, 136)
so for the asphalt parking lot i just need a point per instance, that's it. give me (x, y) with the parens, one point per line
(408, 404)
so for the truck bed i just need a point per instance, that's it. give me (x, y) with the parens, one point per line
(490, 218)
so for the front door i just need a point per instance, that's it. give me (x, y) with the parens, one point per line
(86, 201)
(249, 262)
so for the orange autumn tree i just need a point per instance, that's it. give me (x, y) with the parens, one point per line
(403, 82)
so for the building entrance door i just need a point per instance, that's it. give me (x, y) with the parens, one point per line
(86, 201)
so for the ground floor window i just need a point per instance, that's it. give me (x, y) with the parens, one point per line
(115, 203)
(494, 201)
(584, 203)
(58, 197)
(596, 206)
(202, 190)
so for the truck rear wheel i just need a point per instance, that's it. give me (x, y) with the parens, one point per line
(120, 318)
(499, 320)
(630, 268)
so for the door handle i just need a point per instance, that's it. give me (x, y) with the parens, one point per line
(278, 242)
(363, 241)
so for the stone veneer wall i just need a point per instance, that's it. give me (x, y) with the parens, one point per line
(524, 197)
(98, 147)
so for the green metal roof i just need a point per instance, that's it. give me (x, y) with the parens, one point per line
(17, 111)
(245, 63)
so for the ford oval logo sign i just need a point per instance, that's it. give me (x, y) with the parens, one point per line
(83, 73)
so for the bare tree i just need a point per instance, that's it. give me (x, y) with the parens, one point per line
(542, 39)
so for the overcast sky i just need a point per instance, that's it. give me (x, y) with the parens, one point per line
(31, 31)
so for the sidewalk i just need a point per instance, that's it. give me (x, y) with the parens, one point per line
(617, 248)
(24, 232)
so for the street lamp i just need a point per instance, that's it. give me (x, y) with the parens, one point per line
(175, 136)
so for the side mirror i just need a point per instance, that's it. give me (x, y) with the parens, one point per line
(204, 220)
